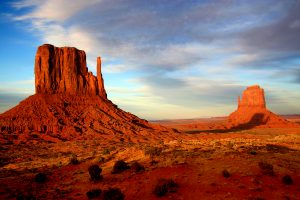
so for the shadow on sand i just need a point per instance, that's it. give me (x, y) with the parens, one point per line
(256, 120)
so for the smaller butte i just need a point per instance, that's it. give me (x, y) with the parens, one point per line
(252, 111)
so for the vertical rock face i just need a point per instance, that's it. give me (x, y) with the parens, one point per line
(253, 97)
(63, 70)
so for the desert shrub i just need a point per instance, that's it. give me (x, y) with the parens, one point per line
(94, 193)
(266, 168)
(95, 171)
(105, 151)
(164, 186)
(225, 173)
(152, 151)
(137, 167)
(153, 162)
(230, 145)
(40, 178)
(113, 194)
(101, 160)
(25, 197)
(252, 152)
(287, 180)
(74, 160)
(119, 167)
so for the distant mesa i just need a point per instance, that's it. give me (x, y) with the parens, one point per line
(70, 103)
(252, 111)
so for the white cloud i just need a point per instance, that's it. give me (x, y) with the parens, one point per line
(53, 10)
(161, 46)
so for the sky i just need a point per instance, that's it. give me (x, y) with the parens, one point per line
(162, 59)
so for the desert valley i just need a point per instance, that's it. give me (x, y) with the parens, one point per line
(69, 141)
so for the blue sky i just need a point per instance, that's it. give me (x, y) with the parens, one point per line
(162, 59)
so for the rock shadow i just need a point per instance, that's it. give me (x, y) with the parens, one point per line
(257, 119)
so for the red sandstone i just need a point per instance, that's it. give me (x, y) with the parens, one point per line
(252, 111)
(70, 102)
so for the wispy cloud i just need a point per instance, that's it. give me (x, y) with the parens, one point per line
(191, 54)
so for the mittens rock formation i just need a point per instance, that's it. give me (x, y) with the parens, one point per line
(252, 111)
(64, 71)
(70, 103)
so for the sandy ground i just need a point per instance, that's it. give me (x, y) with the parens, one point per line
(195, 160)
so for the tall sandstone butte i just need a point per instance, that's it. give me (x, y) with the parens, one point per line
(252, 111)
(63, 70)
(70, 103)
(253, 97)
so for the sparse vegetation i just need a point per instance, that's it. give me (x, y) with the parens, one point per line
(25, 197)
(101, 160)
(119, 167)
(287, 180)
(225, 173)
(95, 171)
(74, 160)
(106, 151)
(164, 186)
(40, 178)
(137, 167)
(113, 194)
(252, 152)
(266, 168)
(94, 193)
(152, 151)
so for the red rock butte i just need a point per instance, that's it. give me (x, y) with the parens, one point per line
(252, 111)
(70, 103)
(253, 97)
(64, 70)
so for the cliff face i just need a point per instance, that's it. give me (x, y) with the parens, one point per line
(252, 111)
(253, 97)
(63, 70)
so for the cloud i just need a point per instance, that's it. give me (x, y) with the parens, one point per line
(188, 54)
(52, 10)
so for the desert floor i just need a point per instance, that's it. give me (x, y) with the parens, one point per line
(195, 161)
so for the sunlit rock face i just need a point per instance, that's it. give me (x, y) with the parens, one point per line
(253, 97)
(70, 103)
(63, 70)
(252, 111)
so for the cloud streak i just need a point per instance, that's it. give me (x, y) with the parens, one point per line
(191, 54)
